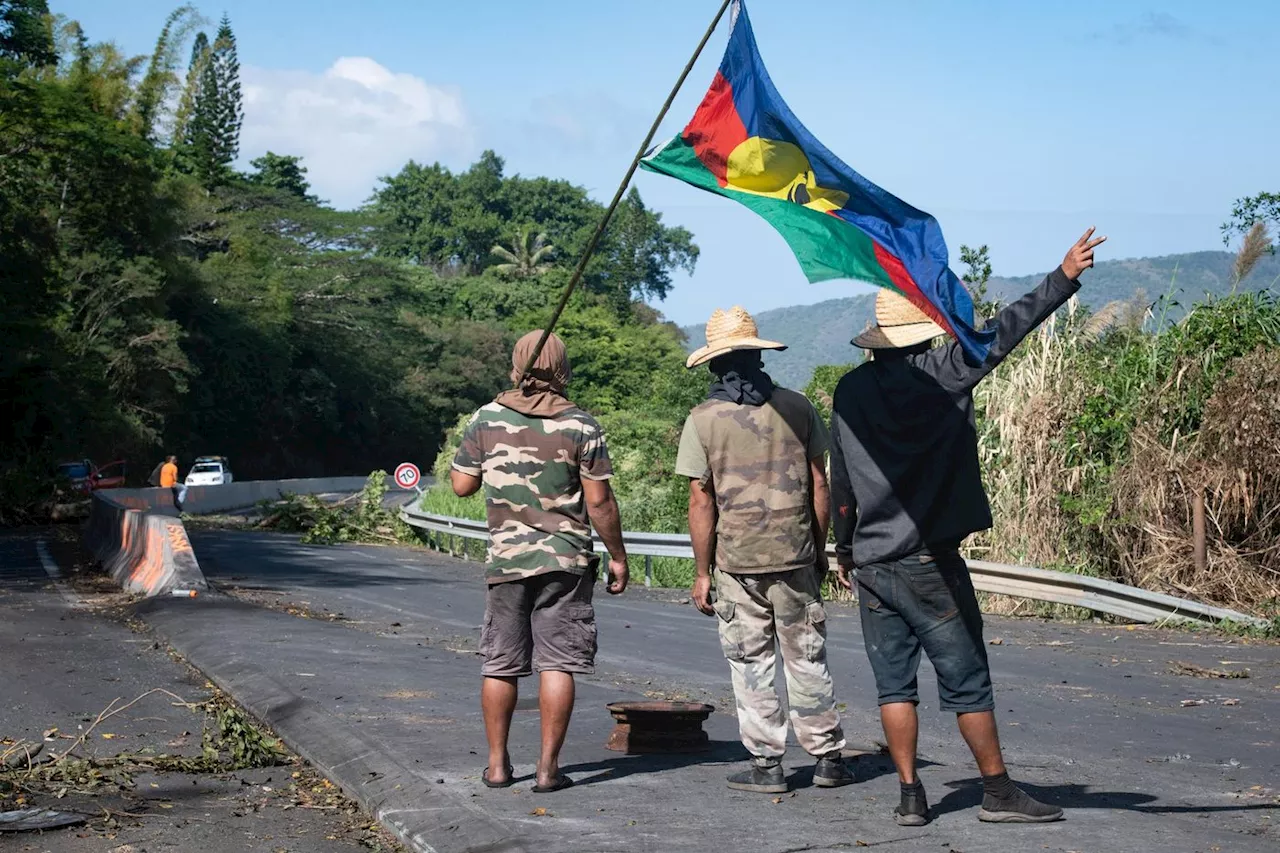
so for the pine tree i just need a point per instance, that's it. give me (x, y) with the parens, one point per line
(230, 111)
(212, 133)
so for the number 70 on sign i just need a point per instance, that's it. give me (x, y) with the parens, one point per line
(408, 476)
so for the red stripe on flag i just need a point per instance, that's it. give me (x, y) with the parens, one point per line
(902, 280)
(716, 128)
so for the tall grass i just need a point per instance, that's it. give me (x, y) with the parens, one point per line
(1098, 433)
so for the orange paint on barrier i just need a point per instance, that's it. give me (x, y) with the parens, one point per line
(150, 573)
(126, 531)
(178, 540)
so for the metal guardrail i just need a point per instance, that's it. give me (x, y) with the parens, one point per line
(1103, 596)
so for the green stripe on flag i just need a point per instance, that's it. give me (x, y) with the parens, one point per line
(825, 246)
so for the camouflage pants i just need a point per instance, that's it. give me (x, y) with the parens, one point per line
(784, 610)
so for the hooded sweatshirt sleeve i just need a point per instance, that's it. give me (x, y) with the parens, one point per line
(1017, 320)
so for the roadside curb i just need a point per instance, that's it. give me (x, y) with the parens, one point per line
(424, 817)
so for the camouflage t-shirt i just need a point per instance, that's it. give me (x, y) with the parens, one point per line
(533, 470)
(757, 459)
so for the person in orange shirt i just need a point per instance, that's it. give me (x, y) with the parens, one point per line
(169, 480)
(169, 472)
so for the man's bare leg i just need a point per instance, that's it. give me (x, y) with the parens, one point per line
(555, 703)
(980, 733)
(498, 702)
(901, 728)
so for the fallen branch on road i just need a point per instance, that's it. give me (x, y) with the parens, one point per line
(230, 741)
(358, 518)
(1184, 668)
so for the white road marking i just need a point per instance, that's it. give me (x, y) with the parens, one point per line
(55, 574)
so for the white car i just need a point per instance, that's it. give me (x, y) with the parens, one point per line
(209, 472)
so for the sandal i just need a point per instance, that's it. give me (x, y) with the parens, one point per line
(511, 778)
(562, 781)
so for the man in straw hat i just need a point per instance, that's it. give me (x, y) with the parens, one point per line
(758, 510)
(546, 471)
(907, 490)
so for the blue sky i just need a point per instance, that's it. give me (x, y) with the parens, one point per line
(1017, 124)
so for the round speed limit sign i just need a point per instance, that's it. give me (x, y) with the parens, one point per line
(407, 475)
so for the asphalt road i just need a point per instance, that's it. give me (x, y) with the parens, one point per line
(62, 664)
(1092, 716)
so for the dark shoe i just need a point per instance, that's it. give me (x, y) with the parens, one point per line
(763, 777)
(1019, 808)
(913, 808)
(831, 772)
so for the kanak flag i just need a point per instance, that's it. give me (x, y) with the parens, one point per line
(744, 143)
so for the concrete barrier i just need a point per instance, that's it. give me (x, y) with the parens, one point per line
(137, 536)
(202, 500)
(144, 551)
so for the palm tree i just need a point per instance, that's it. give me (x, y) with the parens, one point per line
(525, 258)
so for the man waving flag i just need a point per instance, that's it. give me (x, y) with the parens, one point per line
(745, 144)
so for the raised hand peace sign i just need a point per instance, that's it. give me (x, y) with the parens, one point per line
(1080, 258)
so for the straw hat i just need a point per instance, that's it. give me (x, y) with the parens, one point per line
(728, 331)
(898, 324)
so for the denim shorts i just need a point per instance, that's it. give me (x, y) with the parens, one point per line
(925, 601)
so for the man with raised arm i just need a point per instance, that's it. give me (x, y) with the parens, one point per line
(545, 470)
(755, 457)
(906, 491)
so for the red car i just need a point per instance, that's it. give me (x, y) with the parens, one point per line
(85, 477)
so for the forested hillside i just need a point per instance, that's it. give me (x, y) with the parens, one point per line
(157, 300)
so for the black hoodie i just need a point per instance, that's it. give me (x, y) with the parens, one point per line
(904, 446)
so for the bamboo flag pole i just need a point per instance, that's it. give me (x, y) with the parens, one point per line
(617, 197)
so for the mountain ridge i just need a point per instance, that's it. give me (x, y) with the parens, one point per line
(819, 333)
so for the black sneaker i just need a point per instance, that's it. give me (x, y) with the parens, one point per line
(913, 808)
(831, 772)
(1020, 808)
(765, 776)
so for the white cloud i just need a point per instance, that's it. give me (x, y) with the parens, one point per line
(351, 124)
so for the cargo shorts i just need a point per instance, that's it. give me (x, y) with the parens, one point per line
(544, 623)
(925, 601)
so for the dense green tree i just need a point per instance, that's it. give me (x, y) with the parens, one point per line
(449, 223)
(89, 265)
(638, 255)
(443, 221)
(282, 172)
(26, 37)
(24, 34)
(192, 310)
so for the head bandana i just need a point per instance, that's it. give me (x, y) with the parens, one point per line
(740, 378)
(541, 393)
